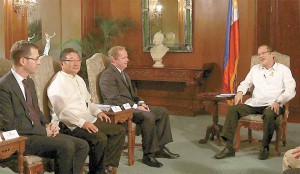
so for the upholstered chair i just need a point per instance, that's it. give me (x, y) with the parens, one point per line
(42, 78)
(255, 122)
(33, 164)
(5, 65)
(95, 65)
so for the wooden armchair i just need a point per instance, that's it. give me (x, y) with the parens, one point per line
(42, 78)
(255, 122)
(33, 164)
(95, 65)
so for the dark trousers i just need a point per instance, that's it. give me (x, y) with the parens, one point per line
(155, 126)
(235, 112)
(105, 145)
(69, 152)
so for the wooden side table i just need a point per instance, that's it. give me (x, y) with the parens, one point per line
(214, 129)
(8, 147)
(121, 117)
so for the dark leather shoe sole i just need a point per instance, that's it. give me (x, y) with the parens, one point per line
(263, 155)
(224, 154)
(166, 155)
(152, 162)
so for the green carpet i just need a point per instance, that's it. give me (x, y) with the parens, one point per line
(198, 158)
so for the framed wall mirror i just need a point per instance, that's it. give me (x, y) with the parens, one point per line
(171, 17)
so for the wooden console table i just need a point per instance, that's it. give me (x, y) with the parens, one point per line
(188, 76)
(8, 147)
(161, 87)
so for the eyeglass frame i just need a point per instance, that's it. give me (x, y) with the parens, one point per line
(34, 59)
(72, 61)
(263, 53)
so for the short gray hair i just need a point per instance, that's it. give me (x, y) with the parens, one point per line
(114, 52)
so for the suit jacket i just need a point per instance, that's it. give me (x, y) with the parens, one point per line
(113, 88)
(14, 113)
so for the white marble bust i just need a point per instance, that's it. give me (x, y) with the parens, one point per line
(170, 38)
(159, 50)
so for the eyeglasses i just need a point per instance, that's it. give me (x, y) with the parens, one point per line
(34, 59)
(263, 53)
(72, 61)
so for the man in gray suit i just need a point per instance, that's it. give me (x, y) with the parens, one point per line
(19, 110)
(116, 89)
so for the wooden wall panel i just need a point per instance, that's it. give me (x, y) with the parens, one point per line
(209, 25)
(89, 9)
(286, 40)
(15, 26)
(261, 22)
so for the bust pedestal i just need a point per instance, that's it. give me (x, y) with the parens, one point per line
(158, 64)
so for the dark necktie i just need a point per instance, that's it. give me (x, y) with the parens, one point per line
(32, 113)
(123, 75)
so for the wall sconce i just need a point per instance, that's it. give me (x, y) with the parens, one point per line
(20, 6)
(156, 9)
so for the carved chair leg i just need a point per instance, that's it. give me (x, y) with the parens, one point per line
(277, 141)
(131, 148)
(250, 139)
(114, 170)
(38, 168)
(284, 133)
(238, 137)
(133, 137)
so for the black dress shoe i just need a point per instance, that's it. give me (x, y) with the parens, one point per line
(263, 154)
(166, 153)
(226, 152)
(151, 161)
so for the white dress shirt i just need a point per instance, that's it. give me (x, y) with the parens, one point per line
(274, 84)
(19, 80)
(71, 101)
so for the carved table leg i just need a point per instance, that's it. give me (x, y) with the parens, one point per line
(214, 129)
(208, 132)
(218, 129)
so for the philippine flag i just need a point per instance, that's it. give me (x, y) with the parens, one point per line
(232, 47)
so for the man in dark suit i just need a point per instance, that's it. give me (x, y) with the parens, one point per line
(116, 89)
(19, 110)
